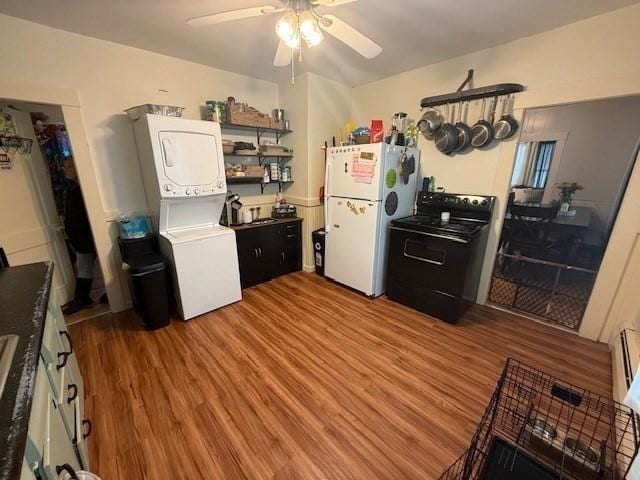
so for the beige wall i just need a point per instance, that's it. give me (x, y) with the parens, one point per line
(322, 108)
(559, 66)
(110, 78)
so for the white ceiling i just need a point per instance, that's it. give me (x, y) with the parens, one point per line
(412, 33)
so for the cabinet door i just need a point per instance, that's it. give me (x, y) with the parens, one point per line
(248, 257)
(291, 255)
(270, 249)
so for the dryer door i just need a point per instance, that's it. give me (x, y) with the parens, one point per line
(191, 159)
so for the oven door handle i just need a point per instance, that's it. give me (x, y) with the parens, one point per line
(422, 259)
(444, 237)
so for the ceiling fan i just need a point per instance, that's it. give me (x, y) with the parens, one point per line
(300, 23)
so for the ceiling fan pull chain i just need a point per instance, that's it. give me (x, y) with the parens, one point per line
(293, 67)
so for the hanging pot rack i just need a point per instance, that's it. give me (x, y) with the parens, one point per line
(462, 95)
(15, 144)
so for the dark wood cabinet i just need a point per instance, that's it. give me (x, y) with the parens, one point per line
(269, 250)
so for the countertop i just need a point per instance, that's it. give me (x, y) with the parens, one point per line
(24, 295)
(278, 221)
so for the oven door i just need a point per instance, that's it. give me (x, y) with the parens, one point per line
(420, 261)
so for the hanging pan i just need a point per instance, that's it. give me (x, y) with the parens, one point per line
(464, 130)
(507, 125)
(482, 132)
(446, 138)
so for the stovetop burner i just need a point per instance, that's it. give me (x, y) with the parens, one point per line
(454, 226)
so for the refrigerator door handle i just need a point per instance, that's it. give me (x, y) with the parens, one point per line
(327, 220)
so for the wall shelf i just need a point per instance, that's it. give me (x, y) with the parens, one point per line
(261, 158)
(257, 181)
(259, 131)
(15, 144)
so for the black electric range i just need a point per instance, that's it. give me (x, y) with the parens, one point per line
(434, 265)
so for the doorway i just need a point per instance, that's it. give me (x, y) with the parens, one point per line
(50, 220)
(570, 172)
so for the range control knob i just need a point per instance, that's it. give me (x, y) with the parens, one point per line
(196, 191)
(188, 191)
(465, 200)
(483, 203)
(475, 201)
(167, 187)
(220, 184)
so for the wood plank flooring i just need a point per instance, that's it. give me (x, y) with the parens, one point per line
(305, 379)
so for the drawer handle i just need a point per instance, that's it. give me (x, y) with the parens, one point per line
(64, 333)
(66, 468)
(292, 236)
(89, 428)
(62, 359)
(73, 392)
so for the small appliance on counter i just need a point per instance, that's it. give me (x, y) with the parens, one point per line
(231, 211)
(435, 257)
(284, 210)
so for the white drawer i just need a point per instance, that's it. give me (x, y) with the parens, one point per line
(58, 449)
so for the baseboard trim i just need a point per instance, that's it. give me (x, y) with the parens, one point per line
(309, 268)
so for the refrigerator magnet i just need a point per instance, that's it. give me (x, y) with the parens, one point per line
(391, 178)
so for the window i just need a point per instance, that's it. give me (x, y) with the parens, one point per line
(542, 164)
(532, 164)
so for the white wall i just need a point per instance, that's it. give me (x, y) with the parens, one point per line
(580, 52)
(319, 108)
(110, 78)
(588, 49)
(598, 152)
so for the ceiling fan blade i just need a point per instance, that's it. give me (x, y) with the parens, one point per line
(350, 36)
(331, 3)
(283, 55)
(232, 15)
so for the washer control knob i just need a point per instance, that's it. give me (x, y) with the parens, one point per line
(188, 191)
(196, 191)
(167, 187)
(220, 184)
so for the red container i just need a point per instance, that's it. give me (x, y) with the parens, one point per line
(377, 131)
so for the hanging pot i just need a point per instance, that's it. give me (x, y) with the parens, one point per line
(430, 122)
(464, 130)
(482, 132)
(446, 138)
(507, 125)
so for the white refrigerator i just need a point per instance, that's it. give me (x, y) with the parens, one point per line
(366, 186)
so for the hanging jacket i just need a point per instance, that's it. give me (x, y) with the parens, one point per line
(76, 221)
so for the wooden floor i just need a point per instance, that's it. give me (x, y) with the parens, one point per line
(306, 379)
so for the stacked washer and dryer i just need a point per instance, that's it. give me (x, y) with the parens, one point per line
(184, 179)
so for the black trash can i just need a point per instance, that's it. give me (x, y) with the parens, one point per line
(147, 280)
(317, 237)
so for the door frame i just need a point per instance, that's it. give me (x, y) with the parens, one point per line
(68, 100)
(601, 315)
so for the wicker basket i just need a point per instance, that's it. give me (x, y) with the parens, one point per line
(243, 114)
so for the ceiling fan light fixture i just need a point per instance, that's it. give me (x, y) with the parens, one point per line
(287, 29)
(309, 28)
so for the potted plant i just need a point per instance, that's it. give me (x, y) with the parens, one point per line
(567, 189)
